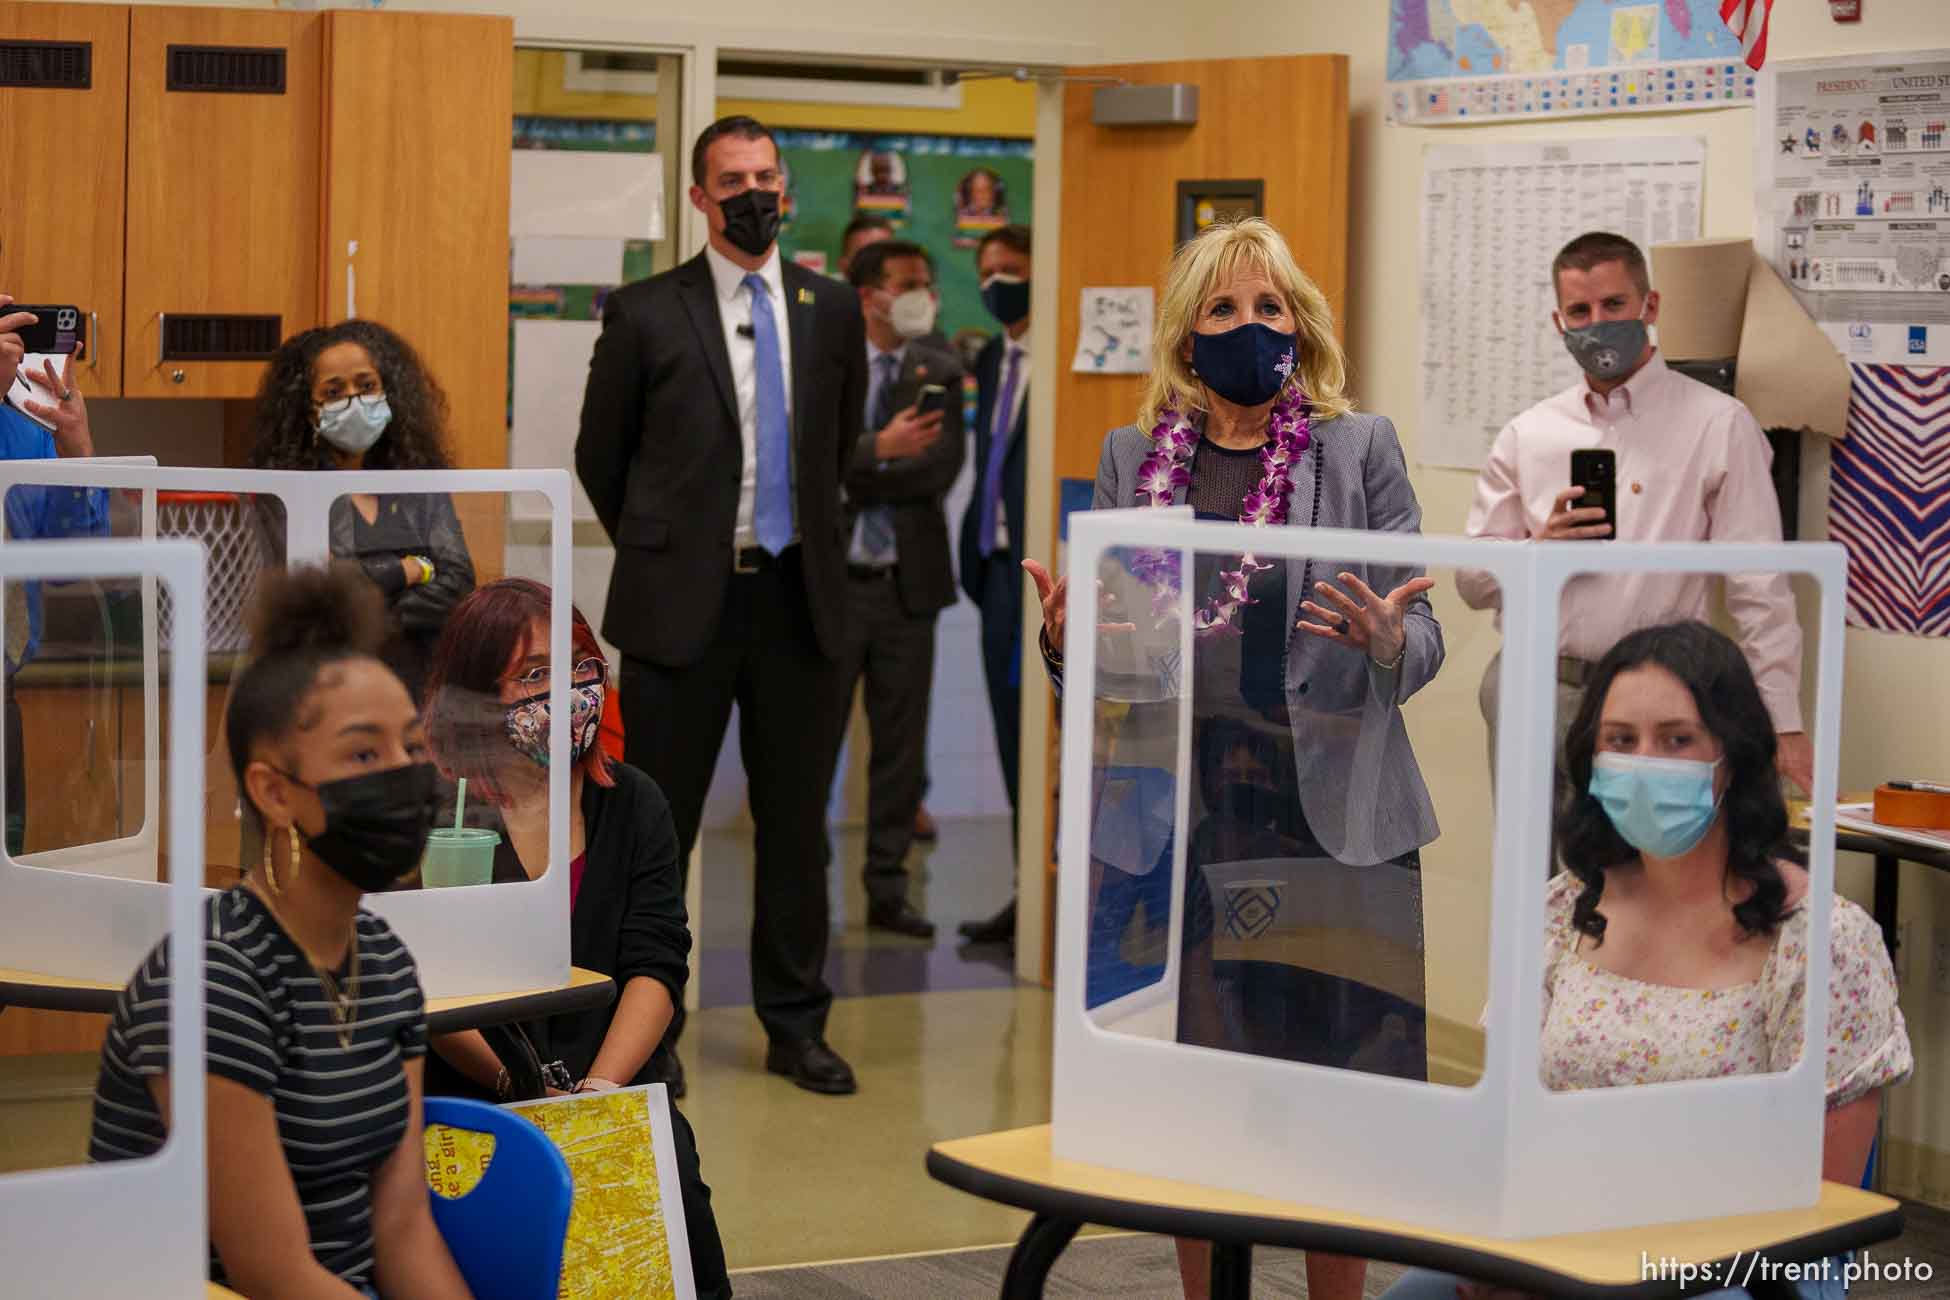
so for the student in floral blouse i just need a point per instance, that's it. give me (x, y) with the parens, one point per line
(1675, 946)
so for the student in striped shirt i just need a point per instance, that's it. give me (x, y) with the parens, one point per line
(316, 1025)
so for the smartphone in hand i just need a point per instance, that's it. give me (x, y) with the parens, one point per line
(933, 398)
(1595, 469)
(55, 329)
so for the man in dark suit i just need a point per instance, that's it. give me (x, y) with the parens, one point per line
(723, 402)
(991, 531)
(899, 577)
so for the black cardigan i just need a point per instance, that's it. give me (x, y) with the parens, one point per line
(628, 920)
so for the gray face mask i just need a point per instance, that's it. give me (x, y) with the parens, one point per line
(353, 424)
(1608, 349)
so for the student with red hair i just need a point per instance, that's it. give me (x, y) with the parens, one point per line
(488, 721)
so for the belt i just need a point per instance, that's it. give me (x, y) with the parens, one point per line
(1573, 672)
(870, 572)
(756, 559)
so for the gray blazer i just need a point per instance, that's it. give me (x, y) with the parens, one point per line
(1359, 784)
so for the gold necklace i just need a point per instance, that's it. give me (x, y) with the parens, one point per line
(342, 1002)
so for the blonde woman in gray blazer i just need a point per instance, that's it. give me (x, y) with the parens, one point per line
(1300, 753)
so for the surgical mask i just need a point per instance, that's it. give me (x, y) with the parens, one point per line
(528, 723)
(751, 220)
(1006, 297)
(1660, 806)
(375, 825)
(1608, 349)
(1248, 364)
(912, 313)
(353, 424)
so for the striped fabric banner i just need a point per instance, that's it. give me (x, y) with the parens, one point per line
(1747, 19)
(1889, 499)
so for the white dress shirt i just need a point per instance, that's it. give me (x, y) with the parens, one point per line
(1692, 467)
(734, 311)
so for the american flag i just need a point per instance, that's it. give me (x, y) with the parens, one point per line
(1747, 19)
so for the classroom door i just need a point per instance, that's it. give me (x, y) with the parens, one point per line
(1279, 124)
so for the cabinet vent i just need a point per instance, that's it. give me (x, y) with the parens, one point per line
(47, 65)
(226, 69)
(220, 338)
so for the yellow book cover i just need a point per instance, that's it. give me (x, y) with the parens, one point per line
(626, 1226)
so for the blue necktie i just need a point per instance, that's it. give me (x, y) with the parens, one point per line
(772, 504)
(1001, 428)
(877, 522)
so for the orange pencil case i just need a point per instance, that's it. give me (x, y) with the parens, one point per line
(1903, 803)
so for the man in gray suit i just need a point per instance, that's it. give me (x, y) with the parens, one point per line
(898, 573)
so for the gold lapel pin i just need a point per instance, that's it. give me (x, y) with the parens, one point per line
(805, 297)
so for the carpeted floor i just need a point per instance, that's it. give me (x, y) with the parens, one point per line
(1145, 1268)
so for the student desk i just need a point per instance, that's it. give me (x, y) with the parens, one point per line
(1016, 1168)
(222, 1293)
(1889, 855)
(585, 989)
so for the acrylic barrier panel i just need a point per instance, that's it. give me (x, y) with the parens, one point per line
(1677, 740)
(1325, 1108)
(1265, 839)
(76, 1221)
(425, 540)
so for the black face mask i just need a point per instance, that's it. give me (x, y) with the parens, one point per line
(751, 220)
(1006, 299)
(375, 825)
(1248, 364)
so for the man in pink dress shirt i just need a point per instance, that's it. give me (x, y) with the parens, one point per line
(1693, 466)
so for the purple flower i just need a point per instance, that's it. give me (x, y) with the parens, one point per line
(1258, 508)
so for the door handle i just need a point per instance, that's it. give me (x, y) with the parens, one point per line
(94, 341)
(162, 332)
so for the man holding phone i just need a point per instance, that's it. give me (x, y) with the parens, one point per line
(1640, 452)
(36, 429)
(899, 577)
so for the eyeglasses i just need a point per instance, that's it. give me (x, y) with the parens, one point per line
(587, 673)
(345, 403)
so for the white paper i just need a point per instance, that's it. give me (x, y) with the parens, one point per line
(1493, 216)
(552, 259)
(551, 370)
(572, 192)
(1862, 817)
(1115, 337)
(1852, 202)
(27, 385)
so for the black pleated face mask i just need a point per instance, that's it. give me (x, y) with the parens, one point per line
(375, 825)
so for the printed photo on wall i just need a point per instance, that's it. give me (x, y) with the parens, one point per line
(981, 205)
(880, 185)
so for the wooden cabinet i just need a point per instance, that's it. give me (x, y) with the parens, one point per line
(71, 736)
(419, 113)
(223, 186)
(64, 74)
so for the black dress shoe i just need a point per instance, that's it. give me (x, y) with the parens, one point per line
(812, 1065)
(1000, 928)
(898, 915)
(667, 1069)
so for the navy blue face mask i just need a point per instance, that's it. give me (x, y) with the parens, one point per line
(1006, 298)
(1248, 364)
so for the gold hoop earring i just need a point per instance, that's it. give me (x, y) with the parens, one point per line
(294, 853)
(270, 865)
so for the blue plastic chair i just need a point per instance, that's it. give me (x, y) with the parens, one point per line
(506, 1234)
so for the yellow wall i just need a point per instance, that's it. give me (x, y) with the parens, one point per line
(989, 108)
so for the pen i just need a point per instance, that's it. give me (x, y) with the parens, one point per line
(1925, 787)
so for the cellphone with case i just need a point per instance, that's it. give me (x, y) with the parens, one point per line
(55, 329)
(1595, 469)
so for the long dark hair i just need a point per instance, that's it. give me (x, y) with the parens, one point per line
(285, 427)
(1730, 707)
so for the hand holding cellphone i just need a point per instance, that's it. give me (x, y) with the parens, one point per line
(1595, 469)
(934, 399)
(57, 329)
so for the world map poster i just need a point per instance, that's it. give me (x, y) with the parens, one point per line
(1453, 61)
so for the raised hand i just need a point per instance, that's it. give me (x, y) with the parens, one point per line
(1363, 620)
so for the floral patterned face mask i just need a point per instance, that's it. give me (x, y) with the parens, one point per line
(528, 718)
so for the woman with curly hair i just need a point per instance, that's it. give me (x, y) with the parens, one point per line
(355, 396)
(1676, 945)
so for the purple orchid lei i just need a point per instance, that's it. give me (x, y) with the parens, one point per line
(1168, 468)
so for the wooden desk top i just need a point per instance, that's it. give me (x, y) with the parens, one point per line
(222, 1293)
(1016, 1168)
(586, 988)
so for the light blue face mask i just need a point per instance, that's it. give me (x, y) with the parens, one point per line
(1660, 806)
(353, 424)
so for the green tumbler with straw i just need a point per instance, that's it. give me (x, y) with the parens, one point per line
(458, 855)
